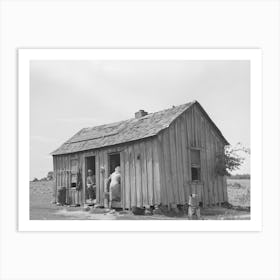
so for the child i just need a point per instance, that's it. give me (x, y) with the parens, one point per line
(193, 206)
(91, 186)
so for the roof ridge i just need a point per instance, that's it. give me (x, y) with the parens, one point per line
(123, 121)
(149, 114)
(123, 131)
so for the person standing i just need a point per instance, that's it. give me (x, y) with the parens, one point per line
(91, 185)
(115, 186)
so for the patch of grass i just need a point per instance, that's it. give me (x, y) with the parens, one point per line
(239, 193)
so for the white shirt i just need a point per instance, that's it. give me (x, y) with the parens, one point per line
(115, 179)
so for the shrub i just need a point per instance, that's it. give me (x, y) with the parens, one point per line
(229, 160)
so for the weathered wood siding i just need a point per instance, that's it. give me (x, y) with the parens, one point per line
(190, 130)
(140, 174)
(66, 166)
(139, 163)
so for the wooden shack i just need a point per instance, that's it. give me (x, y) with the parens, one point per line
(164, 157)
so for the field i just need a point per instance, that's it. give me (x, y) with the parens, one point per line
(41, 207)
(239, 192)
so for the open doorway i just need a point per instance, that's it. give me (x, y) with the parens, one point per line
(90, 190)
(114, 161)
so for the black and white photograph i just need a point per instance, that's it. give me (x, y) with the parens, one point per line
(139, 140)
(136, 139)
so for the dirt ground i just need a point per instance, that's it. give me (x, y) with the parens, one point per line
(41, 207)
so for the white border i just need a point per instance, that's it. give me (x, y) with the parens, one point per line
(253, 55)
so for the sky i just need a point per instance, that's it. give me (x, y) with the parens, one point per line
(66, 96)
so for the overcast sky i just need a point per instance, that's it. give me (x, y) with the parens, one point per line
(66, 96)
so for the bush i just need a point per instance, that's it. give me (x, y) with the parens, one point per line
(230, 160)
(50, 175)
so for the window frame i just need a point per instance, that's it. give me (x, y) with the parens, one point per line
(194, 165)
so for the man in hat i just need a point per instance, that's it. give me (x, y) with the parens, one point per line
(91, 186)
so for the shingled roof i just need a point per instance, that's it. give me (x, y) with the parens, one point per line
(124, 131)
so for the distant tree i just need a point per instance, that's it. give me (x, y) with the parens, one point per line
(50, 176)
(240, 176)
(230, 160)
(35, 179)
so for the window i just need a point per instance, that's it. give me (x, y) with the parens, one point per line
(195, 174)
(73, 172)
(195, 165)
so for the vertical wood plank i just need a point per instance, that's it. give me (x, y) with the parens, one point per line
(179, 155)
(150, 171)
(174, 167)
(123, 186)
(107, 172)
(162, 168)
(132, 169)
(212, 168)
(203, 178)
(216, 177)
(190, 125)
(97, 176)
(195, 124)
(168, 168)
(65, 176)
(158, 171)
(220, 177)
(61, 171)
(55, 180)
(64, 179)
(58, 171)
(67, 171)
(204, 164)
(62, 176)
(138, 174)
(184, 156)
(104, 164)
(189, 144)
(193, 128)
(127, 178)
(198, 128)
(219, 183)
(68, 168)
(224, 185)
(83, 170)
(209, 177)
(144, 182)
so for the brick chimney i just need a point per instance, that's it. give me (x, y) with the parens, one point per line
(140, 114)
